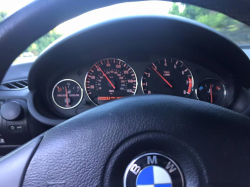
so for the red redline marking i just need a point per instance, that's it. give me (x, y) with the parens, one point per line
(190, 85)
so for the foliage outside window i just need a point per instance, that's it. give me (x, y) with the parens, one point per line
(2, 15)
(234, 30)
(38, 46)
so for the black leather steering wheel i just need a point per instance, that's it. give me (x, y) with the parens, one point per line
(208, 144)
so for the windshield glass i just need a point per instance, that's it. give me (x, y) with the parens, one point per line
(232, 29)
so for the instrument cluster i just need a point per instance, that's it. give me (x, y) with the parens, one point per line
(110, 79)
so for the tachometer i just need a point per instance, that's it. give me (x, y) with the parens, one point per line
(110, 79)
(168, 76)
(67, 94)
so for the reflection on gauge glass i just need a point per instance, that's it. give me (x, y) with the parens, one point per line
(67, 94)
(110, 79)
(211, 90)
(168, 76)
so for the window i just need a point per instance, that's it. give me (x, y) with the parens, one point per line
(234, 30)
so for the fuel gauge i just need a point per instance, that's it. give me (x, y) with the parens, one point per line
(212, 91)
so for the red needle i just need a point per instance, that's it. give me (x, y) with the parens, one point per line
(211, 93)
(162, 77)
(104, 74)
(67, 98)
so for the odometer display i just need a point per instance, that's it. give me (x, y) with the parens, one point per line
(110, 79)
(168, 76)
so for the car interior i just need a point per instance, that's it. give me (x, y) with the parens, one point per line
(103, 103)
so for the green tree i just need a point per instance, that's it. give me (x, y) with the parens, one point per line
(2, 15)
(38, 46)
(234, 30)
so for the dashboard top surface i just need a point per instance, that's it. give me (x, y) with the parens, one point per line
(209, 58)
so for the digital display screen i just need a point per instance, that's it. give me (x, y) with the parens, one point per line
(105, 99)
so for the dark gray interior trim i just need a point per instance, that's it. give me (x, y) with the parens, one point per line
(37, 116)
(13, 166)
(17, 72)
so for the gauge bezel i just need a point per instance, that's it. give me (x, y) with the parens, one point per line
(63, 80)
(224, 87)
(103, 60)
(192, 89)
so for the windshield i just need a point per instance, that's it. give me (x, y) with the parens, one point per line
(232, 29)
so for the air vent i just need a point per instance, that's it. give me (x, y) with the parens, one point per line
(15, 85)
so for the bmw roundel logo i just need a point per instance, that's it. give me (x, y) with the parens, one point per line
(153, 170)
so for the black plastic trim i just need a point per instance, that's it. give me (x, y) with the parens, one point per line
(17, 72)
(37, 116)
(208, 43)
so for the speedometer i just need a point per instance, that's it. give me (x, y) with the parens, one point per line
(110, 79)
(168, 76)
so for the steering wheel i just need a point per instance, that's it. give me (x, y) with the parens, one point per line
(169, 140)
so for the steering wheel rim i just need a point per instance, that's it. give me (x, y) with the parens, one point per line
(112, 136)
(137, 128)
(95, 147)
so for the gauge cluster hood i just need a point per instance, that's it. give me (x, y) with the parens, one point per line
(56, 9)
(128, 33)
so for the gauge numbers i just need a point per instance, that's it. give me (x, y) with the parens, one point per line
(212, 91)
(168, 76)
(110, 79)
(67, 94)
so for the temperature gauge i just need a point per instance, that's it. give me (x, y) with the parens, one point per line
(67, 94)
(212, 91)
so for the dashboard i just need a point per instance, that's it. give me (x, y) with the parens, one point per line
(72, 92)
(124, 57)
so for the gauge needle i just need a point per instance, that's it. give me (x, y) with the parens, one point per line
(162, 77)
(104, 74)
(211, 93)
(67, 98)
